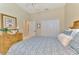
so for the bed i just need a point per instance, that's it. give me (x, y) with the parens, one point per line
(40, 46)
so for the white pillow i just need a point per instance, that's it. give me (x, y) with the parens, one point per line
(74, 32)
(64, 39)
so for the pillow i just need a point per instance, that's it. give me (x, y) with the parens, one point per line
(74, 32)
(67, 31)
(64, 39)
(75, 43)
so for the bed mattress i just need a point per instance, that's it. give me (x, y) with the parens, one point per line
(40, 46)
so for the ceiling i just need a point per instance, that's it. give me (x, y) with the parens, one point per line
(39, 7)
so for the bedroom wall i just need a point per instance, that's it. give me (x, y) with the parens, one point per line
(72, 13)
(58, 13)
(14, 10)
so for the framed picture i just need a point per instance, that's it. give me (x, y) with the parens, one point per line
(9, 22)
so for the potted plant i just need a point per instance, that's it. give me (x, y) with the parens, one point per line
(5, 30)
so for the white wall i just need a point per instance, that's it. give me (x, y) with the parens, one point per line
(14, 10)
(72, 13)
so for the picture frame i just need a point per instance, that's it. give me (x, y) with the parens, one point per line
(9, 22)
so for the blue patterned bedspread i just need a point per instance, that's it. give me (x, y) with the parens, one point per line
(40, 46)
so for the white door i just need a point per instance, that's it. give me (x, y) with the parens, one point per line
(50, 28)
(32, 28)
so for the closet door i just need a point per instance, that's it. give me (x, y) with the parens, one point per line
(50, 28)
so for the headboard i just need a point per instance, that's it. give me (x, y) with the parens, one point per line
(75, 25)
